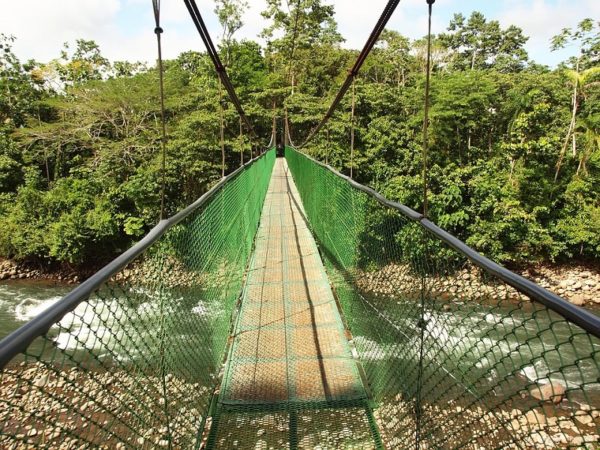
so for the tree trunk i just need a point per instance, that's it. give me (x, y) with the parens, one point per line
(570, 133)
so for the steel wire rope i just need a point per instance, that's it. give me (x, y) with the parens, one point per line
(192, 8)
(352, 125)
(422, 323)
(287, 137)
(158, 31)
(371, 41)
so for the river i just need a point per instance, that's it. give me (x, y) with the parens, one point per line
(22, 300)
(465, 333)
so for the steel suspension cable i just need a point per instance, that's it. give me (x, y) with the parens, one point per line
(422, 321)
(163, 370)
(426, 113)
(158, 31)
(219, 67)
(288, 135)
(373, 38)
(222, 133)
(352, 128)
(241, 143)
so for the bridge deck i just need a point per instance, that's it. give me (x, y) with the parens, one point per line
(290, 345)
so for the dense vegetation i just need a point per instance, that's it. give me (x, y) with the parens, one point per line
(515, 146)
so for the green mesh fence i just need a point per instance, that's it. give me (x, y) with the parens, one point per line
(453, 356)
(136, 364)
(291, 380)
(430, 350)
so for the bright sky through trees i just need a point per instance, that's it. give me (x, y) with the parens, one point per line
(123, 28)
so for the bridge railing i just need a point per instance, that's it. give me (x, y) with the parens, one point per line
(457, 351)
(131, 357)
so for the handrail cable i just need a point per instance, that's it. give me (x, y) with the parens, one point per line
(373, 38)
(219, 67)
(158, 31)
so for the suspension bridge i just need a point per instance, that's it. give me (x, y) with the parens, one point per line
(291, 307)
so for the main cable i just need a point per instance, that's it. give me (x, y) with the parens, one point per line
(219, 67)
(373, 38)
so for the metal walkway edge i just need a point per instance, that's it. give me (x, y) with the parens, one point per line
(290, 351)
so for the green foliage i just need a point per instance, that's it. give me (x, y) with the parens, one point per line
(480, 44)
(80, 160)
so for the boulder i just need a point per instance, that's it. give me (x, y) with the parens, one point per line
(577, 300)
(550, 392)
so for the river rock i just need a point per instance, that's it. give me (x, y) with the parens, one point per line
(584, 418)
(535, 417)
(578, 300)
(553, 391)
(41, 381)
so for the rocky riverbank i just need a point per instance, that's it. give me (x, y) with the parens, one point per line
(578, 284)
(171, 272)
(553, 424)
(72, 408)
(11, 270)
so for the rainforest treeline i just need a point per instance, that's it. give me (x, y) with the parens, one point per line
(514, 160)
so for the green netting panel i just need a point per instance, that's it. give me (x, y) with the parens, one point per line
(291, 380)
(454, 357)
(136, 365)
(320, 428)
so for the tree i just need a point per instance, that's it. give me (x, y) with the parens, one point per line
(304, 26)
(586, 37)
(583, 73)
(85, 63)
(481, 44)
(19, 89)
(391, 58)
(230, 14)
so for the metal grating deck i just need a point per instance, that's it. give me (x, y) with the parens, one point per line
(290, 345)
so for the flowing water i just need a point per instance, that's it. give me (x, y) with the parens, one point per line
(21, 301)
(464, 335)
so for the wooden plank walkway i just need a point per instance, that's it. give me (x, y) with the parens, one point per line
(290, 345)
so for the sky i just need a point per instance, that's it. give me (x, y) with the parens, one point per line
(124, 28)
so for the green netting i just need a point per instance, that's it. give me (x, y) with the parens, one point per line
(448, 355)
(291, 380)
(137, 363)
(453, 357)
